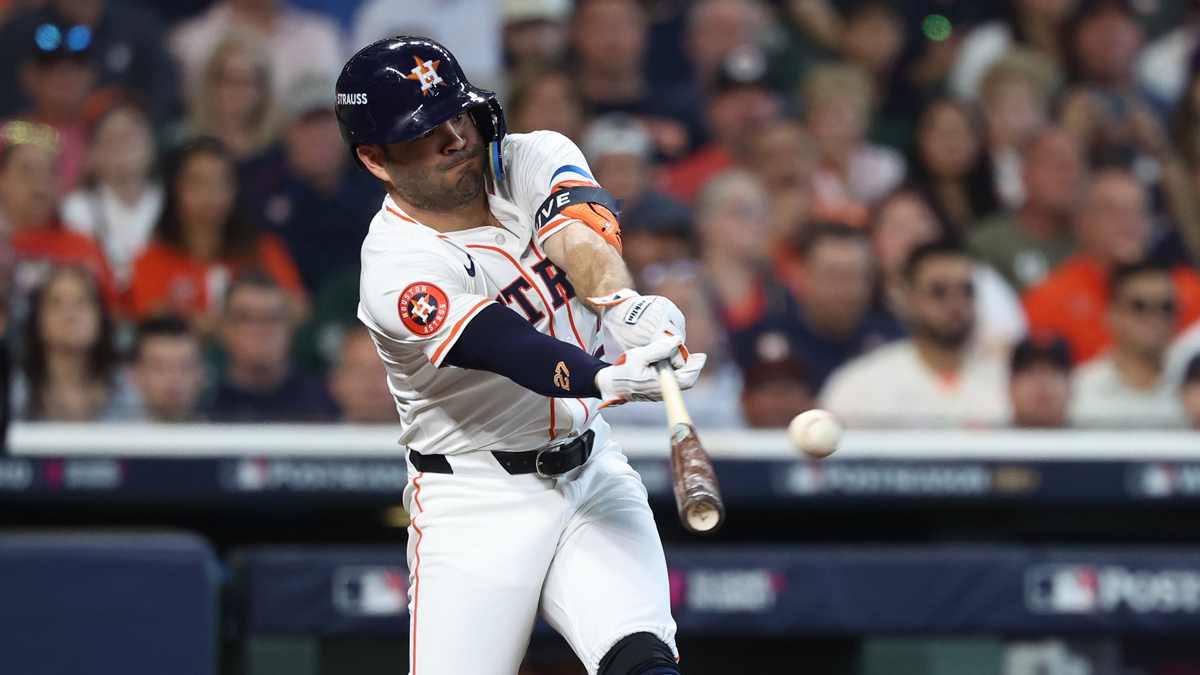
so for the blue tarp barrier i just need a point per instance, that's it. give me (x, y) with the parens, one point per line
(794, 590)
(138, 604)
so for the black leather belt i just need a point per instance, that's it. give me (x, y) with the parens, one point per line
(546, 463)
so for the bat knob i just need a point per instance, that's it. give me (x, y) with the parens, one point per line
(703, 516)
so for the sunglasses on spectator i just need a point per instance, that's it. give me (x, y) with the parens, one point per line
(50, 37)
(1166, 307)
(939, 290)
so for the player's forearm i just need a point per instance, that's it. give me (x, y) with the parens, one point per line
(592, 264)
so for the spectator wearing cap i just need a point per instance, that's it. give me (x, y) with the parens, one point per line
(535, 33)
(296, 41)
(903, 221)
(260, 383)
(470, 29)
(120, 199)
(711, 401)
(315, 200)
(168, 369)
(1039, 384)
(1128, 387)
(608, 43)
(654, 227)
(234, 98)
(203, 240)
(774, 392)
(1189, 392)
(58, 77)
(1024, 246)
(359, 381)
(935, 378)
(834, 318)
(837, 103)
(739, 105)
(29, 205)
(545, 99)
(125, 46)
(1115, 230)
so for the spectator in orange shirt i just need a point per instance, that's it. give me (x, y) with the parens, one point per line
(1114, 230)
(203, 240)
(29, 204)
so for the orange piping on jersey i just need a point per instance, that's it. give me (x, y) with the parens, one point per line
(401, 216)
(552, 434)
(570, 316)
(416, 570)
(532, 283)
(457, 327)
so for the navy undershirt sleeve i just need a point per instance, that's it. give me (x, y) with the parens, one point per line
(498, 340)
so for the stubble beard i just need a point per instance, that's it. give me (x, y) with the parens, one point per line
(427, 189)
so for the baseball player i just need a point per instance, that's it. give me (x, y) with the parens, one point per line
(487, 279)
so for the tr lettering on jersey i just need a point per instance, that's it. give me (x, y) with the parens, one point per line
(514, 292)
(423, 308)
(555, 279)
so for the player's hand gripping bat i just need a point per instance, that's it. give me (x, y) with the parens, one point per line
(696, 493)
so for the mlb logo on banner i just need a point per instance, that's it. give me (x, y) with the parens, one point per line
(370, 591)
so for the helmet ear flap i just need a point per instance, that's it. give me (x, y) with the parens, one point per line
(489, 119)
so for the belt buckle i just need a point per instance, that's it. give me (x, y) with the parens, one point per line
(537, 463)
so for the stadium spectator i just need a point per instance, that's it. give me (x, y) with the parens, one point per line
(58, 78)
(126, 43)
(296, 41)
(203, 239)
(837, 102)
(235, 98)
(316, 202)
(545, 99)
(711, 401)
(1039, 383)
(120, 199)
(740, 105)
(470, 29)
(1036, 25)
(904, 221)
(1114, 230)
(168, 369)
(1127, 387)
(718, 30)
(950, 165)
(1016, 94)
(535, 33)
(774, 392)
(608, 42)
(784, 157)
(935, 378)
(260, 383)
(834, 319)
(732, 225)
(359, 382)
(1024, 246)
(1189, 392)
(28, 203)
(70, 370)
(654, 227)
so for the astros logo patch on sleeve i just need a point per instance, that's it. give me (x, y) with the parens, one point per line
(423, 308)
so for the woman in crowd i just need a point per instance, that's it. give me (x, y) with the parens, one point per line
(121, 200)
(203, 239)
(1036, 25)
(904, 221)
(949, 166)
(70, 370)
(545, 99)
(235, 98)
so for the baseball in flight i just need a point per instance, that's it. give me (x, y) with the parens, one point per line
(815, 432)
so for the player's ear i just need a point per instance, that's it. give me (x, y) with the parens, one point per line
(372, 157)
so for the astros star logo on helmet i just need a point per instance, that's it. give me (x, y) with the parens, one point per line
(425, 73)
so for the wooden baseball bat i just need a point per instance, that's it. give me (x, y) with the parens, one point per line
(701, 509)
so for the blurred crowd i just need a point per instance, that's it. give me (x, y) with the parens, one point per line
(913, 213)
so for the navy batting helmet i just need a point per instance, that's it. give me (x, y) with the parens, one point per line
(400, 88)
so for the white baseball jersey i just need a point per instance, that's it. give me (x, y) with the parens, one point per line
(419, 288)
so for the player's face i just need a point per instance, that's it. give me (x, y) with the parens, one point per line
(441, 171)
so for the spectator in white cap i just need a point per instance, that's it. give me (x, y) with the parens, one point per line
(535, 33)
(655, 227)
